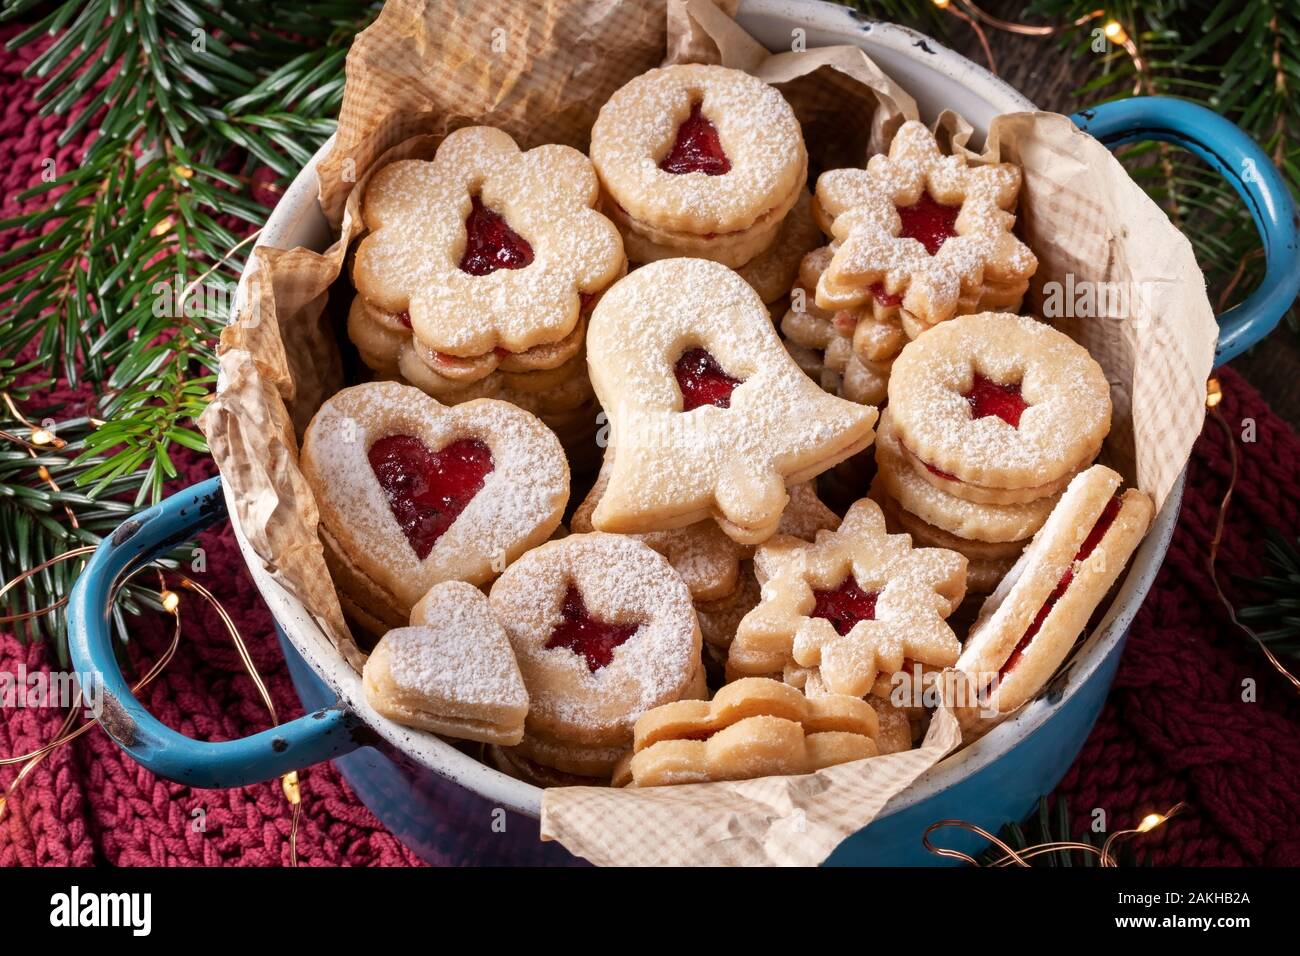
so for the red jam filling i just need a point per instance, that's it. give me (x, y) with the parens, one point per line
(583, 634)
(404, 317)
(1090, 543)
(929, 222)
(845, 605)
(884, 298)
(427, 490)
(697, 148)
(940, 472)
(702, 380)
(987, 397)
(490, 244)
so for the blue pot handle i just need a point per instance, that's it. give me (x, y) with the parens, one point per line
(1252, 174)
(309, 739)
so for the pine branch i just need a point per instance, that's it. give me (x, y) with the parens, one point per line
(119, 271)
(1276, 619)
(1050, 823)
(1241, 60)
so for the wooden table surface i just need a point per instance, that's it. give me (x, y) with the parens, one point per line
(1045, 74)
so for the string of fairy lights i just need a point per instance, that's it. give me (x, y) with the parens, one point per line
(40, 439)
(977, 19)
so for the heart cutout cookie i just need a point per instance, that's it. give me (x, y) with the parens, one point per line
(412, 493)
(451, 672)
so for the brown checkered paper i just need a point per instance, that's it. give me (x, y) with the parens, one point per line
(541, 71)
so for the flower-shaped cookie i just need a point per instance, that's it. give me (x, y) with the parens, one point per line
(710, 416)
(485, 246)
(411, 492)
(924, 226)
(854, 604)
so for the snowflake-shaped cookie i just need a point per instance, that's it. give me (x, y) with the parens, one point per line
(854, 604)
(924, 226)
(415, 259)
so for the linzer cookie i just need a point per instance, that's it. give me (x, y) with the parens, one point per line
(1028, 625)
(928, 233)
(853, 604)
(452, 672)
(1010, 525)
(709, 415)
(412, 493)
(603, 630)
(752, 728)
(700, 161)
(486, 246)
(998, 403)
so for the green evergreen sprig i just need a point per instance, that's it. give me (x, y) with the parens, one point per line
(1276, 618)
(1239, 59)
(188, 100)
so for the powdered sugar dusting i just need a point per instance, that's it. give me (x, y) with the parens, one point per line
(779, 426)
(863, 208)
(757, 129)
(621, 580)
(1069, 400)
(519, 505)
(416, 212)
(456, 654)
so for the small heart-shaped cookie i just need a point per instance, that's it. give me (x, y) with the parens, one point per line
(451, 672)
(412, 493)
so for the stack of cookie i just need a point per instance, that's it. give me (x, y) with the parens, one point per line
(699, 161)
(917, 238)
(478, 272)
(854, 612)
(603, 630)
(847, 351)
(412, 493)
(989, 418)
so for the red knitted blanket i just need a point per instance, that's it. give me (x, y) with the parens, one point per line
(1175, 726)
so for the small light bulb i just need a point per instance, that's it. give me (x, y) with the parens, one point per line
(1150, 822)
(170, 601)
(42, 436)
(289, 783)
(942, 4)
(1115, 32)
(1213, 393)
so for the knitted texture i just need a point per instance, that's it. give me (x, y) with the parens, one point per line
(1175, 727)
